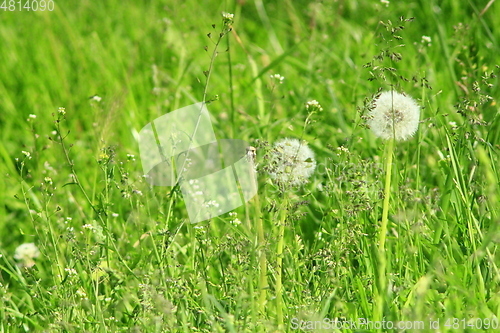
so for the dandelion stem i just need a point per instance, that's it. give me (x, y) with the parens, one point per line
(381, 288)
(279, 265)
(387, 195)
(262, 259)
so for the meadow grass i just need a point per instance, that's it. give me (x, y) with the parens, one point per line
(117, 254)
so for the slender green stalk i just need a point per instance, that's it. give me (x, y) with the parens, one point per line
(261, 245)
(382, 258)
(279, 264)
(262, 264)
(226, 28)
(387, 195)
(231, 90)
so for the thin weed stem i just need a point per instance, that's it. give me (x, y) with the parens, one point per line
(279, 263)
(387, 195)
(382, 283)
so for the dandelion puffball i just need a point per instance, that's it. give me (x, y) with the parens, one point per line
(291, 162)
(394, 115)
(26, 253)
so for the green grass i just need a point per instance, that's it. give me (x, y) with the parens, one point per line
(119, 255)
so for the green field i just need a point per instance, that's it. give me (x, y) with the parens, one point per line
(79, 82)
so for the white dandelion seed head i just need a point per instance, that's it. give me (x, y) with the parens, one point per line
(291, 162)
(394, 115)
(25, 253)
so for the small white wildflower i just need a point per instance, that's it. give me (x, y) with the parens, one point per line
(394, 115)
(227, 19)
(26, 253)
(426, 39)
(385, 2)
(235, 221)
(278, 78)
(211, 203)
(227, 16)
(291, 162)
(62, 111)
(137, 192)
(115, 214)
(70, 271)
(96, 98)
(131, 157)
(31, 116)
(342, 149)
(314, 105)
(27, 154)
(88, 226)
(81, 293)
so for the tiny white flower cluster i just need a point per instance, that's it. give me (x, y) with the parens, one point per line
(234, 218)
(227, 16)
(195, 187)
(426, 39)
(31, 116)
(314, 105)
(27, 154)
(187, 164)
(81, 293)
(277, 77)
(211, 203)
(96, 98)
(62, 111)
(341, 150)
(70, 271)
(453, 125)
(227, 19)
